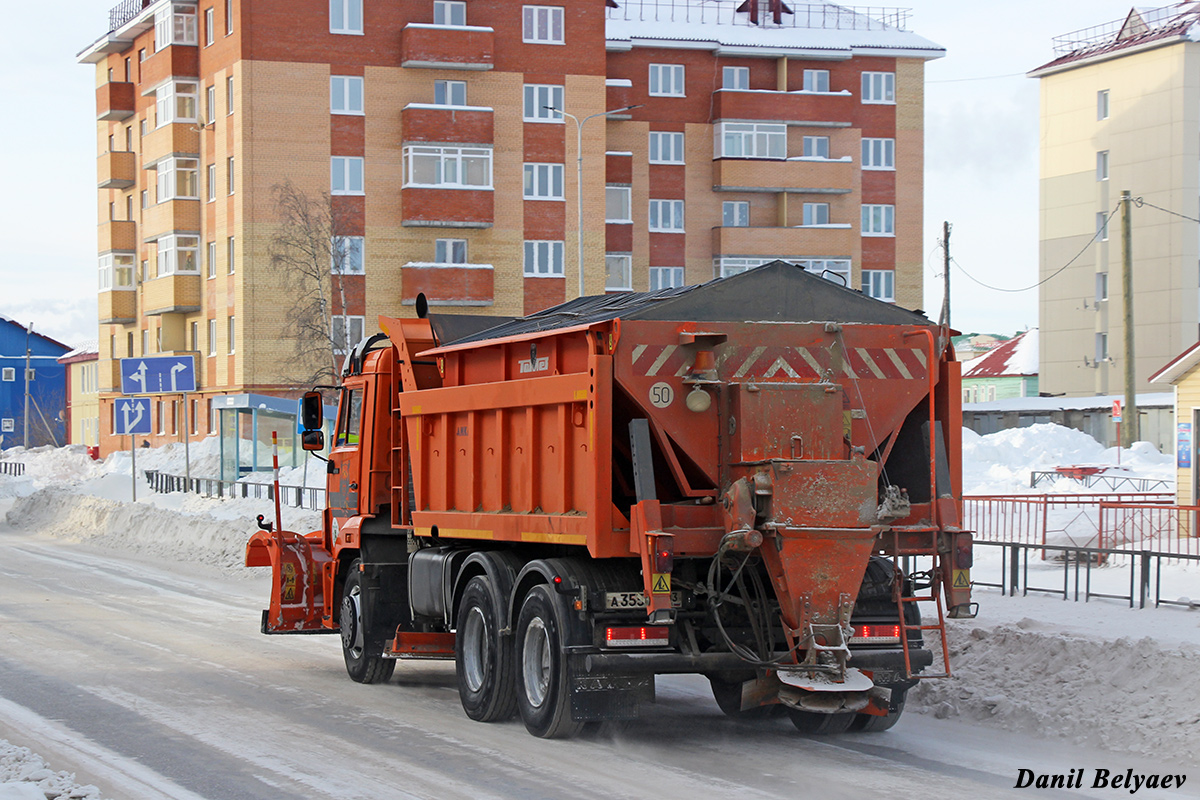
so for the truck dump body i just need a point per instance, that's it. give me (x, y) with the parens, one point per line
(731, 456)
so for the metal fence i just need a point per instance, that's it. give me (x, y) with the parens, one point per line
(730, 12)
(309, 497)
(12, 468)
(1169, 529)
(1069, 520)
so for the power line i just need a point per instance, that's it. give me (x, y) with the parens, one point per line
(1141, 201)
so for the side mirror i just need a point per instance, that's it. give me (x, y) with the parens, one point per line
(312, 440)
(312, 414)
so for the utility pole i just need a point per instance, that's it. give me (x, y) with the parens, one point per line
(946, 274)
(1130, 428)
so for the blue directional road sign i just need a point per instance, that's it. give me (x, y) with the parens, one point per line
(158, 374)
(133, 415)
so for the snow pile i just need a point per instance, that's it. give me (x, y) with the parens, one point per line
(25, 776)
(48, 465)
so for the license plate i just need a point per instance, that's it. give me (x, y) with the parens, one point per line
(615, 601)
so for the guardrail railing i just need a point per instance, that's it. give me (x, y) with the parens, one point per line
(15, 468)
(1071, 520)
(309, 497)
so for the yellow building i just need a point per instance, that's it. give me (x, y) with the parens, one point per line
(83, 395)
(1182, 373)
(1120, 111)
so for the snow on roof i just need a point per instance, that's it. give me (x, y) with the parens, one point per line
(834, 30)
(91, 346)
(1048, 404)
(1017, 356)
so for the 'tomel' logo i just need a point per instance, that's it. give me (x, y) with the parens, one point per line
(533, 363)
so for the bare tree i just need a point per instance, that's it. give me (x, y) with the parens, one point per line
(308, 250)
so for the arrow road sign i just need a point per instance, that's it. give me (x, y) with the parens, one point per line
(158, 374)
(133, 416)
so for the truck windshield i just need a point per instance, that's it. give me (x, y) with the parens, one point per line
(349, 419)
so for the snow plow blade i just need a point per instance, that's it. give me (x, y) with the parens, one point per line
(297, 568)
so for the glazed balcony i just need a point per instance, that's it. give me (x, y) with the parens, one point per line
(798, 175)
(117, 235)
(447, 46)
(171, 215)
(117, 170)
(118, 307)
(446, 124)
(768, 106)
(174, 61)
(811, 240)
(178, 138)
(171, 294)
(115, 101)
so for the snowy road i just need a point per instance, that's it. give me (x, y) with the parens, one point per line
(154, 682)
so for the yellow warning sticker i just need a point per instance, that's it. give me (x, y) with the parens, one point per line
(289, 583)
(660, 583)
(962, 579)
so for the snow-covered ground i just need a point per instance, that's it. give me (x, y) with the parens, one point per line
(1098, 674)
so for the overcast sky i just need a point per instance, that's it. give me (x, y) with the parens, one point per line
(980, 155)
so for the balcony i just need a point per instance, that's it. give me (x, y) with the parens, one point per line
(115, 101)
(447, 284)
(826, 240)
(448, 208)
(177, 60)
(448, 124)
(767, 106)
(618, 92)
(117, 235)
(118, 307)
(171, 215)
(117, 170)
(171, 294)
(798, 175)
(447, 47)
(179, 138)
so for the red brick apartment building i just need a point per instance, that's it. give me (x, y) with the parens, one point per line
(758, 130)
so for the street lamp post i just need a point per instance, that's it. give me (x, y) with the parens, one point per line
(579, 169)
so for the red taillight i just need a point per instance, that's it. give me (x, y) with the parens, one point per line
(876, 634)
(962, 551)
(643, 636)
(664, 553)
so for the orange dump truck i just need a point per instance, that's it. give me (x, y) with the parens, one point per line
(755, 479)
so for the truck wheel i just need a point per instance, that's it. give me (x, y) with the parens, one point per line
(728, 695)
(812, 724)
(483, 658)
(869, 723)
(543, 693)
(362, 665)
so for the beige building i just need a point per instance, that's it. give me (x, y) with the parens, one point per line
(1181, 373)
(1120, 111)
(83, 395)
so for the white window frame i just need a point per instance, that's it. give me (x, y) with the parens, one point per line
(451, 252)
(346, 94)
(878, 219)
(543, 259)
(346, 17)
(212, 259)
(228, 97)
(1102, 105)
(879, 88)
(763, 140)
(622, 265)
(176, 101)
(174, 24)
(1101, 287)
(230, 173)
(880, 284)
(8, 374)
(736, 78)
(449, 12)
(879, 154)
(543, 25)
(544, 181)
(444, 93)
(667, 80)
(815, 147)
(666, 216)
(175, 252)
(347, 175)
(665, 278)
(228, 17)
(622, 198)
(816, 80)
(735, 214)
(540, 102)
(8, 424)
(210, 100)
(338, 330)
(177, 179)
(815, 214)
(209, 33)
(212, 337)
(231, 253)
(1101, 226)
(666, 147)
(1101, 347)
(232, 334)
(347, 255)
(116, 272)
(452, 166)
(212, 182)
(1101, 165)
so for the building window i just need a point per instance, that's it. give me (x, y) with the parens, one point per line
(343, 324)
(8, 425)
(1101, 286)
(178, 254)
(145, 342)
(543, 181)
(176, 101)
(735, 214)
(445, 167)
(879, 87)
(450, 93)
(345, 94)
(816, 80)
(195, 329)
(833, 269)
(212, 182)
(878, 220)
(1102, 165)
(230, 173)
(542, 24)
(174, 24)
(178, 179)
(449, 12)
(209, 31)
(666, 216)
(210, 102)
(160, 409)
(666, 147)
(619, 272)
(665, 277)
(145, 198)
(231, 252)
(346, 16)
(816, 213)
(212, 259)
(232, 334)
(346, 175)
(228, 17)
(666, 80)
(618, 204)
(347, 255)
(116, 271)
(879, 154)
(450, 251)
(145, 274)
(1101, 347)
(212, 337)
(541, 102)
(8, 374)
(880, 284)
(750, 140)
(1101, 226)
(735, 78)
(543, 259)
(1102, 104)
(228, 96)
(816, 147)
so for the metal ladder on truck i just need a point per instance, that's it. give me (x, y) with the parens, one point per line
(934, 596)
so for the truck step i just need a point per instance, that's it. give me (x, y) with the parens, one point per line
(428, 646)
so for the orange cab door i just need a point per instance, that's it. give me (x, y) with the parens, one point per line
(345, 458)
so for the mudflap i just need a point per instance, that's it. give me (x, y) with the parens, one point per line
(609, 697)
(298, 568)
